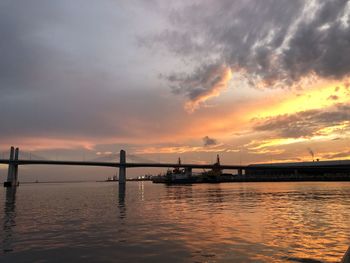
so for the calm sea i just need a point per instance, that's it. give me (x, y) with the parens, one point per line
(234, 222)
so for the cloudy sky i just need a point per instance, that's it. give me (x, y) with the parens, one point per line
(253, 81)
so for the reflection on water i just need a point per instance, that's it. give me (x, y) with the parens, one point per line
(145, 222)
(303, 260)
(121, 201)
(9, 219)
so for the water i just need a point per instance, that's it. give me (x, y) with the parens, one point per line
(237, 222)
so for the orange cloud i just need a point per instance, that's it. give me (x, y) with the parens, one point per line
(257, 144)
(219, 82)
(34, 144)
(180, 149)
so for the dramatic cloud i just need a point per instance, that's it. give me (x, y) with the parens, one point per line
(207, 141)
(74, 78)
(307, 123)
(206, 83)
(273, 43)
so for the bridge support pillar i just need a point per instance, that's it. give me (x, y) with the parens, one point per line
(122, 168)
(12, 175)
(15, 168)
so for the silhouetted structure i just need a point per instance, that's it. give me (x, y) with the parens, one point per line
(300, 171)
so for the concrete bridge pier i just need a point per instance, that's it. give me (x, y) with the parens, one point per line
(12, 175)
(15, 168)
(122, 168)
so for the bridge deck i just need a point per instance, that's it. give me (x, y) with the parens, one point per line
(167, 165)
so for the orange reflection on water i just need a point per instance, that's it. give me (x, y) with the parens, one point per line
(265, 222)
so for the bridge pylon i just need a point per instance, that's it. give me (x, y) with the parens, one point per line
(122, 168)
(12, 174)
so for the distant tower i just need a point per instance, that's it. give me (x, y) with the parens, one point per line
(177, 169)
(217, 159)
(216, 167)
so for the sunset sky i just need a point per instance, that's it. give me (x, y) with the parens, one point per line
(254, 81)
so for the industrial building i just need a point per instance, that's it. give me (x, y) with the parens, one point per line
(338, 170)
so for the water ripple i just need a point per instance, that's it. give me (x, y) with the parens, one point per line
(243, 222)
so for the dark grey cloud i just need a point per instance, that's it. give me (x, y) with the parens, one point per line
(208, 81)
(20, 58)
(305, 123)
(273, 42)
(207, 141)
(197, 83)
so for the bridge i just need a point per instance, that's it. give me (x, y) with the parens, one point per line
(13, 162)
